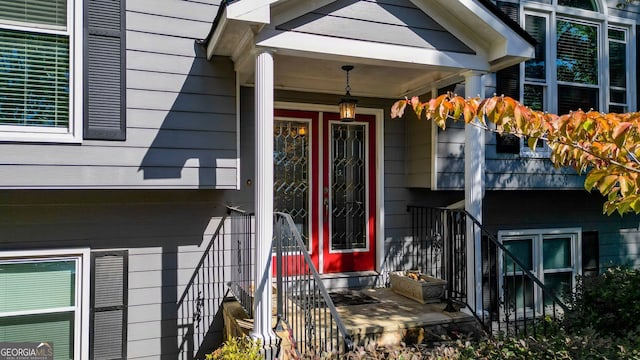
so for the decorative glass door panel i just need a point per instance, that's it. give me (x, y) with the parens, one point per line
(295, 155)
(291, 160)
(348, 164)
(349, 194)
(325, 178)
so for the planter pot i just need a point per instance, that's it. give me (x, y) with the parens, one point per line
(424, 289)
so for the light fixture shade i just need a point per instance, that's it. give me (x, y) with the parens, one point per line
(348, 109)
(347, 103)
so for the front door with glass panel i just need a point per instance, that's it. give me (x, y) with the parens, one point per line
(349, 194)
(325, 178)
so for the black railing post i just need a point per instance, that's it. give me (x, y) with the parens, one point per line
(308, 312)
(501, 274)
(280, 303)
(448, 248)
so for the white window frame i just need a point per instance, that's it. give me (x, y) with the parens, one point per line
(537, 237)
(73, 133)
(630, 58)
(553, 12)
(83, 289)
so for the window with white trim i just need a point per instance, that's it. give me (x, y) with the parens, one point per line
(552, 255)
(581, 60)
(38, 69)
(43, 299)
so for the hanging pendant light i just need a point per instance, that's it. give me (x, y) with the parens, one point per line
(347, 103)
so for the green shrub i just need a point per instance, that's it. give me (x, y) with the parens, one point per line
(608, 303)
(559, 346)
(556, 345)
(601, 325)
(243, 348)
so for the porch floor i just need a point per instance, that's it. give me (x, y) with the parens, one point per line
(390, 319)
(394, 319)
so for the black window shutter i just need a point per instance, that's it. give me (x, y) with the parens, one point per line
(508, 84)
(590, 253)
(104, 70)
(109, 289)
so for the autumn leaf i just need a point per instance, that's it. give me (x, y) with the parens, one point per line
(397, 110)
(606, 146)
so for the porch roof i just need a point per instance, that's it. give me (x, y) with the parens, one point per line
(399, 47)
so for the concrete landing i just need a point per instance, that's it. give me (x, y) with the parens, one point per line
(395, 319)
(392, 319)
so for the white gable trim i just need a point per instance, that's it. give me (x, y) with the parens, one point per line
(250, 10)
(483, 31)
(329, 47)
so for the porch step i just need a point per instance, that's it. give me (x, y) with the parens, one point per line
(350, 280)
(393, 319)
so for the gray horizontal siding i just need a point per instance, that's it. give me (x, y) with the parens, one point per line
(502, 171)
(619, 237)
(450, 157)
(95, 177)
(121, 156)
(164, 233)
(181, 122)
(397, 22)
(419, 154)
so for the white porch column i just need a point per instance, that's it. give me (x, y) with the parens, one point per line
(473, 193)
(262, 306)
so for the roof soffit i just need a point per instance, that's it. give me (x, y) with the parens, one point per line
(467, 20)
(493, 45)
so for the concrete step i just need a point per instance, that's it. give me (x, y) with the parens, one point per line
(377, 317)
(350, 280)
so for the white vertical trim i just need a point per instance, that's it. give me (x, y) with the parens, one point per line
(76, 66)
(379, 161)
(434, 147)
(264, 77)
(320, 192)
(552, 69)
(238, 110)
(86, 298)
(474, 160)
(632, 61)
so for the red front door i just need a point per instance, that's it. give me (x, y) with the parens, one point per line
(325, 178)
(349, 194)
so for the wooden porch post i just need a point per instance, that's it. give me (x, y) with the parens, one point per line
(262, 307)
(473, 194)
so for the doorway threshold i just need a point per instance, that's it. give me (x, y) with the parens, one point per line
(350, 280)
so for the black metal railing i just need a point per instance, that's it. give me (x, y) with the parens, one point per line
(202, 298)
(304, 308)
(505, 295)
(241, 238)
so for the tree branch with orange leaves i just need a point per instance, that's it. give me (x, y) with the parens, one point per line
(605, 147)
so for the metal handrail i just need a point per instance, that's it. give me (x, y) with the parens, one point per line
(520, 264)
(202, 299)
(242, 258)
(300, 248)
(447, 231)
(203, 258)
